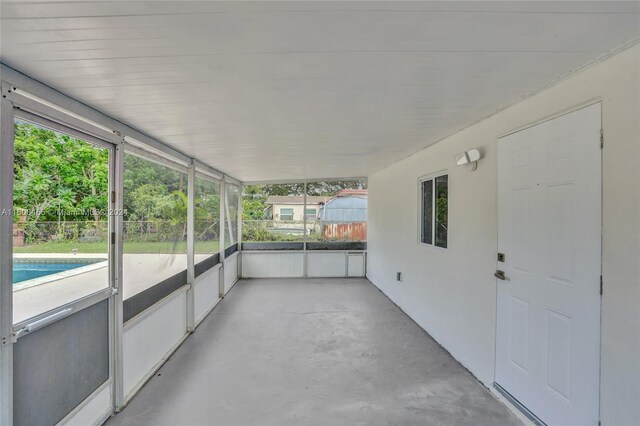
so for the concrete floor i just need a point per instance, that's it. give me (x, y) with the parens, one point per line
(311, 352)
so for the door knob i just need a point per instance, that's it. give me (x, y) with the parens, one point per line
(500, 275)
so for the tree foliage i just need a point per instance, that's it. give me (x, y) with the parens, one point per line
(65, 180)
(55, 174)
(153, 191)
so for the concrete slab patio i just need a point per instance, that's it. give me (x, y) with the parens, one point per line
(312, 352)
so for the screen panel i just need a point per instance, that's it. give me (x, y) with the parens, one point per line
(337, 245)
(155, 231)
(204, 265)
(232, 196)
(269, 245)
(336, 211)
(206, 223)
(273, 216)
(58, 366)
(60, 218)
(143, 300)
(230, 250)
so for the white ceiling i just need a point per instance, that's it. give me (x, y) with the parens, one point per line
(293, 90)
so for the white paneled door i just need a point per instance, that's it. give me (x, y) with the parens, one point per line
(549, 230)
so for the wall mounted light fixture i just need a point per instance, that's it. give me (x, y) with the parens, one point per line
(468, 157)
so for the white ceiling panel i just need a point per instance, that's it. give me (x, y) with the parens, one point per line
(293, 90)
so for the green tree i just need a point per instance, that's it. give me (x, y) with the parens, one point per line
(54, 172)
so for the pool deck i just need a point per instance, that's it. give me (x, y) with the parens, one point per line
(140, 271)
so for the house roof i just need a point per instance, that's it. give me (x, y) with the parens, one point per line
(345, 208)
(351, 192)
(295, 199)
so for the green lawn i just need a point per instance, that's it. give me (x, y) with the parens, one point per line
(129, 247)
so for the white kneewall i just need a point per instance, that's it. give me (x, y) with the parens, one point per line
(230, 271)
(151, 337)
(94, 410)
(452, 293)
(282, 264)
(206, 292)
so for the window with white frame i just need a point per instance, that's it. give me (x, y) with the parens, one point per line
(434, 210)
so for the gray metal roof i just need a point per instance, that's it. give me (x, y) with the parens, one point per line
(350, 208)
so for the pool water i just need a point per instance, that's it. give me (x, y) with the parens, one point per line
(24, 270)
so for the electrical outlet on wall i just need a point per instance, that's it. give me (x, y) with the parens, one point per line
(398, 276)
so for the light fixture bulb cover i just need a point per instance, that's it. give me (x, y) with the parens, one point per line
(462, 159)
(473, 155)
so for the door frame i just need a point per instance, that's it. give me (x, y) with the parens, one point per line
(19, 104)
(504, 392)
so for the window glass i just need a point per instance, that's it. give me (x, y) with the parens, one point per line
(442, 210)
(341, 207)
(335, 211)
(207, 217)
(311, 214)
(427, 211)
(286, 214)
(60, 221)
(434, 212)
(155, 224)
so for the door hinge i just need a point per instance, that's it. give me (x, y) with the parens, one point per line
(601, 139)
(113, 196)
(113, 238)
(601, 285)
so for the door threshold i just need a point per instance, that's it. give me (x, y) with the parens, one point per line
(524, 410)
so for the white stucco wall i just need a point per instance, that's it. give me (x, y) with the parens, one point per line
(451, 293)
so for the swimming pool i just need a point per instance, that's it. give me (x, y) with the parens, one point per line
(28, 269)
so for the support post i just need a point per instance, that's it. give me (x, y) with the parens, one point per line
(191, 271)
(239, 237)
(6, 259)
(223, 196)
(117, 302)
(304, 233)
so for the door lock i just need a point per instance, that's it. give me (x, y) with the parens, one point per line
(500, 275)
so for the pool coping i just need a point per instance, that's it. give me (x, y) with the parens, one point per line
(60, 255)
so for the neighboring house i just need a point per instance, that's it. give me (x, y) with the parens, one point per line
(344, 217)
(339, 217)
(291, 207)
